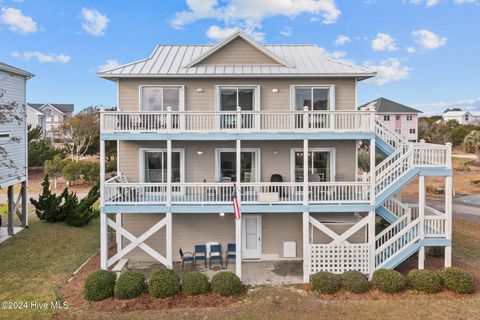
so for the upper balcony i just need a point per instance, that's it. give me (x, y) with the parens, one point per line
(249, 125)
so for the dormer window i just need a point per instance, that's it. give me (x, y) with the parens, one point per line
(47, 111)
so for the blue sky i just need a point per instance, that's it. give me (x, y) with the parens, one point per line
(426, 51)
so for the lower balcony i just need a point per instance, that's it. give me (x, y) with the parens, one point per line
(117, 192)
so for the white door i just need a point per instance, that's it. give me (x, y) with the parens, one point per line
(252, 236)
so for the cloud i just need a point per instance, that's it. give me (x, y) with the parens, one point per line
(383, 42)
(41, 57)
(428, 40)
(249, 14)
(439, 107)
(342, 40)
(411, 49)
(17, 21)
(109, 64)
(94, 23)
(389, 70)
(336, 55)
(428, 3)
(218, 33)
(286, 31)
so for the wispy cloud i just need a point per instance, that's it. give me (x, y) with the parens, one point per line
(94, 23)
(17, 21)
(389, 70)
(427, 3)
(383, 42)
(428, 39)
(248, 15)
(109, 64)
(41, 57)
(286, 31)
(342, 40)
(439, 107)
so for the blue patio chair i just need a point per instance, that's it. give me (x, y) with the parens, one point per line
(200, 253)
(230, 253)
(186, 257)
(216, 254)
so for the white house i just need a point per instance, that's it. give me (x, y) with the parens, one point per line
(13, 141)
(462, 117)
(401, 118)
(278, 127)
(48, 116)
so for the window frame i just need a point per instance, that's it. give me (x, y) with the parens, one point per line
(256, 93)
(386, 117)
(141, 157)
(257, 153)
(331, 95)
(409, 117)
(181, 101)
(333, 161)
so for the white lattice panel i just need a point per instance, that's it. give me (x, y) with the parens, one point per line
(338, 258)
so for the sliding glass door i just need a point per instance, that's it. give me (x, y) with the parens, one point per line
(232, 97)
(227, 166)
(320, 165)
(155, 166)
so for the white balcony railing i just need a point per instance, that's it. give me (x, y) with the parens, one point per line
(245, 121)
(251, 193)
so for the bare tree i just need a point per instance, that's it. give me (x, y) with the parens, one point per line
(78, 133)
(9, 113)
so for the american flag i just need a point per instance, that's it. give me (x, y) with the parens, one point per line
(236, 207)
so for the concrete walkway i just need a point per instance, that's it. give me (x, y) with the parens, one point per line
(4, 233)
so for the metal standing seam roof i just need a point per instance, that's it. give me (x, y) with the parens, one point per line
(173, 61)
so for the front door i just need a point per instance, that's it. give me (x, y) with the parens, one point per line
(251, 236)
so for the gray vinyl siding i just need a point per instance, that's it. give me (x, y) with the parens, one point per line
(14, 86)
(202, 167)
(190, 229)
(269, 100)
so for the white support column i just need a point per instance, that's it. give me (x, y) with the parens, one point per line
(372, 171)
(305, 172)
(10, 211)
(24, 204)
(238, 222)
(306, 246)
(448, 221)
(103, 216)
(371, 241)
(118, 236)
(168, 226)
(421, 215)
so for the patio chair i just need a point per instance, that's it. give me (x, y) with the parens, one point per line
(230, 253)
(278, 178)
(186, 257)
(200, 253)
(215, 254)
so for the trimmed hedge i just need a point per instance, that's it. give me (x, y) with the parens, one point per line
(129, 285)
(195, 283)
(325, 282)
(388, 281)
(99, 285)
(424, 280)
(457, 280)
(164, 283)
(226, 283)
(354, 281)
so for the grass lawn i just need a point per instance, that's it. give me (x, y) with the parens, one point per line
(39, 260)
(52, 252)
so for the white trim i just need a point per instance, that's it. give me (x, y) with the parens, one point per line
(331, 87)
(38, 112)
(142, 161)
(356, 160)
(256, 92)
(244, 237)
(256, 151)
(181, 99)
(50, 106)
(333, 159)
(229, 39)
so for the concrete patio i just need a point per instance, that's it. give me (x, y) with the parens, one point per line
(253, 272)
(4, 233)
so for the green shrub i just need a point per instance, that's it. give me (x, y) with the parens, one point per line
(99, 285)
(84, 211)
(164, 283)
(457, 280)
(195, 283)
(424, 280)
(388, 281)
(129, 285)
(325, 282)
(47, 207)
(354, 281)
(226, 284)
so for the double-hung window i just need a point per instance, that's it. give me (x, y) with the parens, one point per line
(386, 118)
(160, 98)
(409, 117)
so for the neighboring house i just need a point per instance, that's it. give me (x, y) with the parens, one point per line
(13, 141)
(48, 116)
(277, 126)
(462, 117)
(403, 119)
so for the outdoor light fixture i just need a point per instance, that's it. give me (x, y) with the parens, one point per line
(199, 90)
(221, 214)
(200, 152)
(275, 151)
(275, 90)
